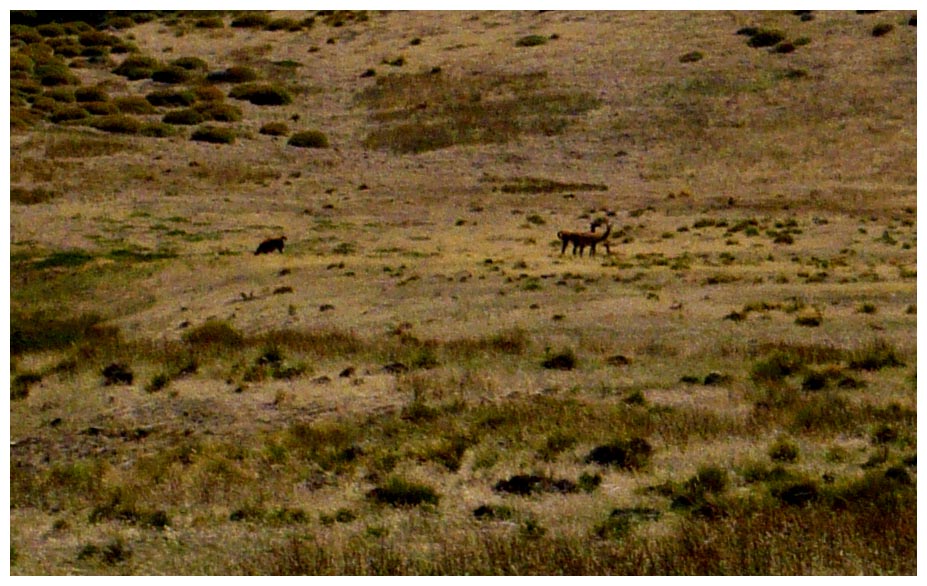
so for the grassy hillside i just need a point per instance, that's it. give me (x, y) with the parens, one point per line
(421, 383)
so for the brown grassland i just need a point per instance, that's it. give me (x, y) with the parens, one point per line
(420, 383)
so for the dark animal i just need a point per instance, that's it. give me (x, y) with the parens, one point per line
(270, 245)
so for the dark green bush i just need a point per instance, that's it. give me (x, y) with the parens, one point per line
(68, 112)
(117, 124)
(882, 29)
(308, 139)
(185, 117)
(261, 94)
(209, 22)
(55, 73)
(219, 112)
(133, 105)
(765, 38)
(531, 41)
(95, 38)
(632, 454)
(275, 129)
(252, 20)
(101, 108)
(213, 334)
(91, 94)
(213, 134)
(136, 67)
(190, 63)
(399, 493)
(170, 74)
(171, 98)
(236, 74)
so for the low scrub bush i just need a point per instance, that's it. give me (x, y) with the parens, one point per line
(68, 113)
(563, 360)
(765, 38)
(262, 94)
(171, 74)
(171, 98)
(209, 22)
(252, 20)
(531, 41)
(783, 450)
(402, 493)
(190, 63)
(117, 374)
(631, 454)
(235, 74)
(882, 29)
(136, 67)
(275, 129)
(875, 355)
(214, 134)
(185, 117)
(117, 124)
(219, 112)
(213, 334)
(91, 94)
(101, 108)
(309, 139)
(133, 105)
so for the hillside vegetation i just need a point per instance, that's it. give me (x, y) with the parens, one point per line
(421, 382)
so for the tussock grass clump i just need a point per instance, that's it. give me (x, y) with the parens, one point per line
(209, 22)
(882, 29)
(783, 450)
(399, 492)
(691, 57)
(875, 355)
(262, 94)
(21, 383)
(68, 113)
(765, 38)
(91, 94)
(219, 112)
(117, 374)
(564, 360)
(136, 67)
(213, 134)
(36, 195)
(117, 124)
(171, 74)
(190, 63)
(213, 334)
(251, 20)
(235, 74)
(630, 454)
(284, 24)
(309, 139)
(185, 117)
(275, 129)
(133, 105)
(531, 41)
(171, 98)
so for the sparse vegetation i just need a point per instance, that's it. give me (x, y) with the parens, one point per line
(420, 383)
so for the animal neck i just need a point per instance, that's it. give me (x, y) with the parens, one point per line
(608, 229)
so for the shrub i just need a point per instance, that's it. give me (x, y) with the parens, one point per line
(39, 331)
(796, 493)
(95, 38)
(631, 454)
(219, 112)
(120, 22)
(158, 382)
(157, 130)
(784, 47)
(20, 385)
(55, 73)
(531, 41)
(213, 334)
(284, 24)
(882, 29)
(136, 67)
(563, 360)
(214, 134)
(101, 108)
(708, 479)
(399, 493)
(117, 124)
(68, 112)
(876, 355)
(170, 98)
(309, 139)
(691, 57)
(133, 105)
(185, 117)
(117, 374)
(209, 22)
(252, 20)
(261, 94)
(20, 62)
(236, 74)
(170, 74)
(765, 38)
(783, 450)
(208, 93)
(51, 29)
(275, 129)
(776, 367)
(190, 63)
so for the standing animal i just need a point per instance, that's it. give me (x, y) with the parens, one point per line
(270, 245)
(580, 240)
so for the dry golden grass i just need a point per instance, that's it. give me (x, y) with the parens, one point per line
(755, 322)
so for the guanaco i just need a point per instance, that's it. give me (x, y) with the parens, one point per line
(581, 240)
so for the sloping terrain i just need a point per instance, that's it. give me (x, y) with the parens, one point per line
(421, 382)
